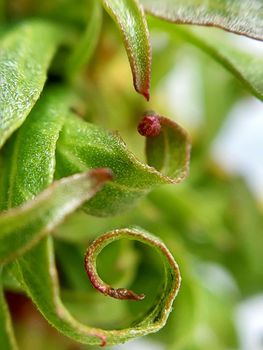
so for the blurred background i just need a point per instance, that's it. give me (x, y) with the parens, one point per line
(212, 222)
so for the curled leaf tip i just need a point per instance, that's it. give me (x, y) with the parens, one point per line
(90, 267)
(150, 125)
(124, 294)
(157, 314)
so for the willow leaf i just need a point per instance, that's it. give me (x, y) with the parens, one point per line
(30, 152)
(7, 339)
(238, 16)
(24, 226)
(130, 18)
(29, 163)
(133, 179)
(43, 289)
(25, 54)
(246, 66)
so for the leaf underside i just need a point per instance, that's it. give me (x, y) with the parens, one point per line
(243, 17)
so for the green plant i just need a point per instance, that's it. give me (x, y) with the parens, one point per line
(59, 88)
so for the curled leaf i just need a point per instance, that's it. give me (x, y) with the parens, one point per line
(243, 17)
(133, 179)
(48, 300)
(24, 226)
(166, 146)
(25, 55)
(123, 293)
(130, 18)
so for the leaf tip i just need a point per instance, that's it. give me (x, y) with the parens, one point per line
(124, 294)
(146, 94)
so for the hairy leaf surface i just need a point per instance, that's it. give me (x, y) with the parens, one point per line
(29, 162)
(25, 54)
(238, 16)
(24, 226)
(133, 179)
(30, 152)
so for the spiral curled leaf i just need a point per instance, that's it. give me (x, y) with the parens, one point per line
(49, 303)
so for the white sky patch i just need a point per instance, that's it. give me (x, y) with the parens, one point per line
(183, 91)
(247, 44)
(239, 146)
(249, 321)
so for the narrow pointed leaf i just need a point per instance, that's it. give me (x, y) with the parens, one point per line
(133, 179)
(30, 152)
(130, 18)
(25, 54)
(238, 16)
(24, 226)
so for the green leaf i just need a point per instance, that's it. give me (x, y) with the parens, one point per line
(25, 54)
(37, 271)
(29, 163)
(169, 152)
(246, 66)
(130, 18)
(238, 16)
(7, 339)
(24, 226)
(30, 152)
(97, 148)
(43, 289)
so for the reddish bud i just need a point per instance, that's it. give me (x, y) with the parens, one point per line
(150, 126)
